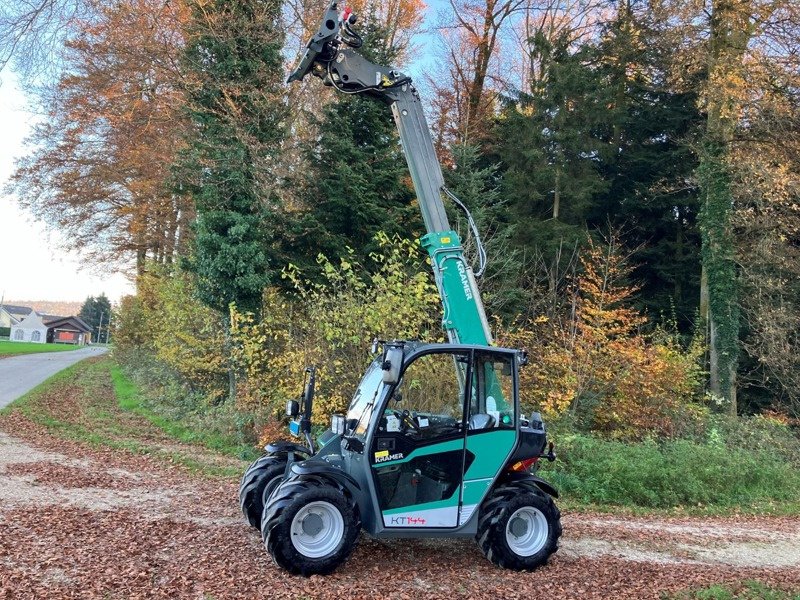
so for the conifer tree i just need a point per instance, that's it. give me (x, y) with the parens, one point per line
(550, 145)
(356, 182)
(235, 71)
(652, 127)
(478, 186)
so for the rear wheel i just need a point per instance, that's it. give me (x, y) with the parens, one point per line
(260, 479)
(519, 528)
(310, 526)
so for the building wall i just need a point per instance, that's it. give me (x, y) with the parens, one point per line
(30, 329)
(23, 334)
(5, 319)
(69, 336)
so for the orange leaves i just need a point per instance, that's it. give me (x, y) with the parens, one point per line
(99, 166)
(405, 15)
(599, 367)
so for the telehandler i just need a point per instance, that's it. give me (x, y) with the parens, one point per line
(433, 443)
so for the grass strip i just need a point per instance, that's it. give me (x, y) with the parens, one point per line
(747, 590)
(130, 398)
(8, 348)
(100, 422)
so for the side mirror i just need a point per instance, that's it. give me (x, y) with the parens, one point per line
(392, 364)
(292, 408)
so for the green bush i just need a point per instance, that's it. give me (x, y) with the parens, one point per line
(5, 332)
(748, 590)
(672, 473)
(166, 399)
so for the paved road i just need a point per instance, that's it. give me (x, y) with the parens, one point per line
(20, 374)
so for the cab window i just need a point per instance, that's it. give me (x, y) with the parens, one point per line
(492, 401)
(429, 399)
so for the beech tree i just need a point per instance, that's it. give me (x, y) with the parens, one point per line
(471, 33)
(99, 164)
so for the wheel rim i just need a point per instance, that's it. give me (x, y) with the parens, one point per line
(526, 531)
(317, 529)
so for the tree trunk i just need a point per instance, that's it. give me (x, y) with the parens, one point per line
(731, 31)
(557, 195)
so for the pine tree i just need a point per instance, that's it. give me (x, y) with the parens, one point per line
(357, 180)
(652, 127)
(603, 138)
(478, 187)
(233, 57)
(550, 142)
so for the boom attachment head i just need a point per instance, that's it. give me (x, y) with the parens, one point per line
(321, 43)
(321, 48)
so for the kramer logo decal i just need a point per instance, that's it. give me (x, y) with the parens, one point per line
(407, 521)
(465, 281)
(384, 456)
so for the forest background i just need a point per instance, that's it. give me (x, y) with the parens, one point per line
(633, 167)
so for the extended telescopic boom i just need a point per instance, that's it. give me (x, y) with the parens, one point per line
(331, 55)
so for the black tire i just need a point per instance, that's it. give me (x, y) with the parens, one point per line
(291, 497)
(494, 528)
(261, 477)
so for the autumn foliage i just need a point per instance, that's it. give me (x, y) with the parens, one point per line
(601, 369)
(331, 325)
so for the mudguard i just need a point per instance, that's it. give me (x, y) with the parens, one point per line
(530, 479)
(277, 447)
(323, 469)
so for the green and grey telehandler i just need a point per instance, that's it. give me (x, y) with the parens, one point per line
(433, 443)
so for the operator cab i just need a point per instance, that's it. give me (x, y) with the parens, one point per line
(435, 432)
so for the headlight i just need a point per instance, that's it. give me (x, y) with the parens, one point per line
(338, 424)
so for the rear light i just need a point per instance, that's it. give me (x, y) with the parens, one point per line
(524, 465)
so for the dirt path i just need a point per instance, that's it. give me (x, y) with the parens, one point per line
(80, 522)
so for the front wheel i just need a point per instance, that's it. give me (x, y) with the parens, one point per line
(519, 528)
(310, 527)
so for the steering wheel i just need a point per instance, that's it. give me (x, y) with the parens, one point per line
(405, 419)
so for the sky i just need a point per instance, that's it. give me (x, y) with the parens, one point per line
(33, 264)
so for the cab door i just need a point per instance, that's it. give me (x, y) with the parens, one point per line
(417, 455)
(491, 425)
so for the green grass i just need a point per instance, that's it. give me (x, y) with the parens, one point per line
(678, 476)
(14, 348)
(747, 590)
(94, 415)
(132, 399)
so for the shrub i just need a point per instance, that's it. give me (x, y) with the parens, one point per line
(672, 473)
(166, 319)
(332, 324)
(600, 369)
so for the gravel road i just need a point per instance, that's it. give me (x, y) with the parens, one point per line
(20, 374)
